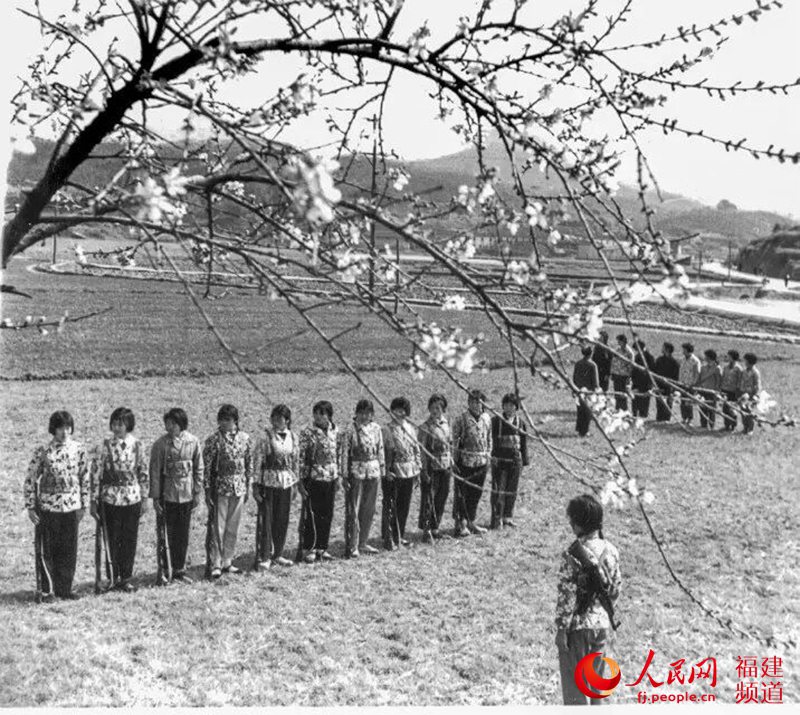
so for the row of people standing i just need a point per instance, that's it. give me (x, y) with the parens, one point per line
(115, 481)
(635, 376)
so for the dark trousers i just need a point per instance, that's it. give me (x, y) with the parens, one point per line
(729, 411)
(620, 383)
(59, 533)
(641, 406)
(708, 411)
(318, 514)
(122, 528)
(603, 378)
(584, 417)
(664, 407)
(579, 644)
(272, 522)
(687, 406)
(178, 519)
(505, 481)
(467, 490)
(433, 497)
(396, 503)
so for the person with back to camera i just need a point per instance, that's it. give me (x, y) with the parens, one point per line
(589, 582)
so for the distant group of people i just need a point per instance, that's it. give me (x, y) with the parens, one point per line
(115, 480)
(634, 377)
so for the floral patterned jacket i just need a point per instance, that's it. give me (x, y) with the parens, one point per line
(572, 578)
(228, 461)
(119, 472)
(59, 472)
(319, 453)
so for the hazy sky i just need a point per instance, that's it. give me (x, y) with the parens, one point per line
(765, 50)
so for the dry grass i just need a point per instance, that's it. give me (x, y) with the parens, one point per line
(467, 621)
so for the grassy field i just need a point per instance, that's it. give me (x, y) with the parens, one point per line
(463, 622)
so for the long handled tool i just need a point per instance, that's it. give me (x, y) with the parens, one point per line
(163, 556)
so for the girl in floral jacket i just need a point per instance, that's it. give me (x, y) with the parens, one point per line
(56, 495)
(275, 476)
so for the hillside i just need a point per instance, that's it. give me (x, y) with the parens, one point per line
(675, 215)
(777, 255)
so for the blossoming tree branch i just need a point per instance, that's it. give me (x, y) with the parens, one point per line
(145, 87)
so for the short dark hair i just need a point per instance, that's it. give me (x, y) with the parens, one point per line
(401, 403)
(282, 411)
(587, 351)
(178, 416)
(60, 419)
(586, 513)
(228, 412)
(323, 407)
(124, 415)
(711, 354)
(365, 406)
(603, 334)
(688, 347)
(479, 395)
(622, 338)
(669, 347)
(437, 397)
(510, 399)
(734, 354)
(750, 358)
(640, 344)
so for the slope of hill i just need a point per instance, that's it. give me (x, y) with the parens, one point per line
(777, 255)
(675, 215)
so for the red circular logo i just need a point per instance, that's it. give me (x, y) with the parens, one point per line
(586, 677)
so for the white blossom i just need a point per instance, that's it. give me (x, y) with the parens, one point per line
(454, 302)
(519, 272)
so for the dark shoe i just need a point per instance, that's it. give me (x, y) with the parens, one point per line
(215, 574)
(232, 569)
(127, 587)
(280, 561)
(405, 542)
(46, 598)
(367, 549)
(427, 537)
(389, 546)
(353, 554)
(325, 556)
(310, 557)
(509, 523)
(460, 532)
(71, 596)
(183, 578)
(475, 529)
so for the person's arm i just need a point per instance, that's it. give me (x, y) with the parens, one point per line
(757, 373)
(197, 474)
(595, 377)
(490, 445)
(83, 480)
(248, 467)
(566, 599)
(456, 432)
(381, 454)
(156, 469)
(35, 468)
(424, 452)
(523, 440)
(96, 468)
(388, 448)
(344, 449)
(141, 472)
(209, 464)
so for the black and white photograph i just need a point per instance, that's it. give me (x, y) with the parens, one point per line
(400, 353)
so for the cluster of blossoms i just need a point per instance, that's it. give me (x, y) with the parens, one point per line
(461, 248)
(399, 178)
(349, 266)
(674, 288)
(448, 348)
(159, 201)
(315, 194)
(618, 490)
(479, 196)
